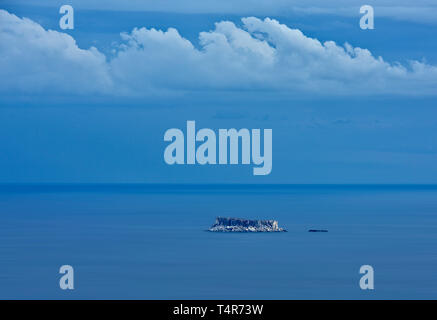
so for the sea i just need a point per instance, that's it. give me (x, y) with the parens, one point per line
(140, 241)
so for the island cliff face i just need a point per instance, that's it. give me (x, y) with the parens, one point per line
(244, 225)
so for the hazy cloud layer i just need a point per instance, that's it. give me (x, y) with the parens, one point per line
(258, 55)
(421, 11)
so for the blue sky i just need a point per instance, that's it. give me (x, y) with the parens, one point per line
(339, 113)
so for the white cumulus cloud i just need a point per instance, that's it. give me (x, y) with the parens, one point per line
(35, 60)
(258, 55)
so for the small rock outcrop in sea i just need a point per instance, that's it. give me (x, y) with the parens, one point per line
(244, 225)
(317, 230)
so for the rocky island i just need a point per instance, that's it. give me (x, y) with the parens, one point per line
(245, 225)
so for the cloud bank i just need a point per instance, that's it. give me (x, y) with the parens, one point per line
(258, 55)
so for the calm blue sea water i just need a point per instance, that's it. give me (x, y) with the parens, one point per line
(149, 242)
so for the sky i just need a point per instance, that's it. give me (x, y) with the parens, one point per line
(91, 105)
